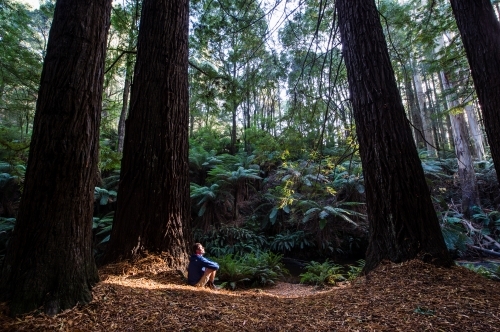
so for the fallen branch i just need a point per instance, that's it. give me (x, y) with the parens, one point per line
(492, 241)
(487, 251)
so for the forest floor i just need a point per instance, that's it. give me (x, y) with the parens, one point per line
(411, 296)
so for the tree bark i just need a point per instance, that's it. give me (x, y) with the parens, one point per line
(477, 135)
(403, 223)
(49, 259)
(425, 118)
(418, 131)
(153, 211)
(480, 32)
(466, 174)
(123, 113)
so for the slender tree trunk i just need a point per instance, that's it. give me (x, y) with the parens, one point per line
(437, 125)
(424, 115)
(448, 131)
(403, 223)
(153, 210)
(49, 259)
(480, 31)
(127, 84)
(466, 174)
(234, 109)
(418, 131)
(123, 114)
(477, 136)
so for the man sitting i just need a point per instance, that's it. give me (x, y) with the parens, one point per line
(201, 270)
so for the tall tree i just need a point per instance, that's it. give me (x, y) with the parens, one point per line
(466, 173)
(480, 31)
(49, 260)
(153, 199)
(403, 223)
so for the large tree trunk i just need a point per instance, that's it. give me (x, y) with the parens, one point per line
(49, 260)
(403, 223)
(153, 210)
(480, 31)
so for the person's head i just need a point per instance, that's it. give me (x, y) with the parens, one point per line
(198, 249)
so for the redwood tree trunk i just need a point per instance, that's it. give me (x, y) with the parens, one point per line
(403, 223)
(49, 260)
(480, 31)
(153, 209)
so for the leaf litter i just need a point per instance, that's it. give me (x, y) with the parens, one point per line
(147, 296)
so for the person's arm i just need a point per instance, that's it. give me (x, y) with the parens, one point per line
(206, 263)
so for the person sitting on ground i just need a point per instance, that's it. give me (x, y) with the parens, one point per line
(201, 271)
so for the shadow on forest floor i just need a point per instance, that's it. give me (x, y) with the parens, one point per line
(411, 296)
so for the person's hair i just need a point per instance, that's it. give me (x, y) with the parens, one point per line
(196, 247)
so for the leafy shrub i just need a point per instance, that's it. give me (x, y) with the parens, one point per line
(230, 240)
(454, 233)
(102, 227)
(108, 158)
(261, 269)
(287, 241)
(104, 196)
(321, 274)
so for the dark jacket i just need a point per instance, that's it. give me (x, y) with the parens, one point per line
(197, 266)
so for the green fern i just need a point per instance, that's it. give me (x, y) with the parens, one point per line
(323, 212)
(321, 274)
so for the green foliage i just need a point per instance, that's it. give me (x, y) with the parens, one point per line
(454, 233)
(490, 221)
(455, 238)
(230, 240)
(261, 269)
(109, 160)
(288, 241)
(485, 271)
(111, 182)
(316, 211)
(203, 196)
(208, 139)
(234, 178)
(7, 224)
(23, 45)
(346, 180)
(200, 162)
(439, 169)
(104, 196)
(102, 227)
(13, 149)
(321, 274)
(354, 271)
(263, 145)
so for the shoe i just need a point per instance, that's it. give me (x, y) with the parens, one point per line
(212, 286)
